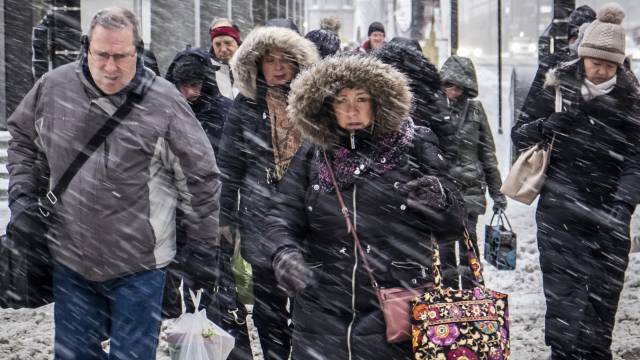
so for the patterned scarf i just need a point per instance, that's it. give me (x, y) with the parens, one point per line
(286, 138)
(381, 156)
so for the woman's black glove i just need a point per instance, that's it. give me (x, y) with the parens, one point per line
(426, 191)
(427, 197)
(292, 272)
(559, 122)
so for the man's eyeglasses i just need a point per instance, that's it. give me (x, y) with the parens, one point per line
(104, 56)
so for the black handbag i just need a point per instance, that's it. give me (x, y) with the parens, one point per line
(26, 276)
(500, 243)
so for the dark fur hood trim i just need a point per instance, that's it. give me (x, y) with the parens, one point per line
(244, 64)
(312, 91)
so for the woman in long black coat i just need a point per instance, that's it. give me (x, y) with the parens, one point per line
(257, 146)
(590, 190)
(391, 175)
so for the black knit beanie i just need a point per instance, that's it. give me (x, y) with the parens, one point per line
(375, 26)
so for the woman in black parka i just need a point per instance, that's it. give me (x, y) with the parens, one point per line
(391, 175)
(257, 146)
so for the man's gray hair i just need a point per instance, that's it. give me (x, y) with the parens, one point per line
(117, 18)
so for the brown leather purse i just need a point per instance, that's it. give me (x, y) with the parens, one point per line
(394, 302)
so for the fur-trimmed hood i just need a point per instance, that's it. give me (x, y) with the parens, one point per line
(312, 91)
(245, 62)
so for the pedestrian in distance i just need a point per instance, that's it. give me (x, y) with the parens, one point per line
(591, 187)
(225, 39)
(375, 37)
(355, 109)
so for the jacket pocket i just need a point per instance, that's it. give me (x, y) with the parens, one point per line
(409, 273)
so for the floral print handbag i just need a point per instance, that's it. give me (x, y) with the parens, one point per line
(467, 324)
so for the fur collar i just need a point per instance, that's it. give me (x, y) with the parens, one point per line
(312, 91)
(244, 63)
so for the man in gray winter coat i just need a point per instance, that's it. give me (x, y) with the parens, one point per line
(115, 224)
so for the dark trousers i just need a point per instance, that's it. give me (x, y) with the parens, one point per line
(453, 275)
(126, 310)
(270, 315)
(583, 266)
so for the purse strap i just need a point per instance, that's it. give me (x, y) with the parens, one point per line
(350, 228)
(98, 138)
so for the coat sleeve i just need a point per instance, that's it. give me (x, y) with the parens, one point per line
(287, 218)
(528, 129)
(487, 154)
(447, 223)
(196, 173)
(630, 178)
(23, 150)
(232, 158)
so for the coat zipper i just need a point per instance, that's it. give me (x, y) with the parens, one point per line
(353, 278)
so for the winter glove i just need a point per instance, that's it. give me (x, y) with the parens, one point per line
(426, 192)
(436, 204)
(559, 122)
(292, 272)
(25, 222)
(499, 203)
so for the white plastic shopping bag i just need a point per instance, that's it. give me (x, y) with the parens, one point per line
(194, 337)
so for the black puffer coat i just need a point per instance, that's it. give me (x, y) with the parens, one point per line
(246, 155)
(341, 316)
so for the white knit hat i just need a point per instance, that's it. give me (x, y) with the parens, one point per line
(604, 38)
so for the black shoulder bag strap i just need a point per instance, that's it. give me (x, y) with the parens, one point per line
(134, 96)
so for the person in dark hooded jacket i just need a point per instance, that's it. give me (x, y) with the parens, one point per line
(591, 188)
(475, 167)
(194, 76)
(429, 107)
(256, 149)
(392, 177)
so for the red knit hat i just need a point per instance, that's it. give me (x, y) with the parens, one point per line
(226, 30)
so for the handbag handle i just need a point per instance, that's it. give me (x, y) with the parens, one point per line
(474, 264)
(501, 215)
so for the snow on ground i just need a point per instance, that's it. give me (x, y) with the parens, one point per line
(28, 334)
